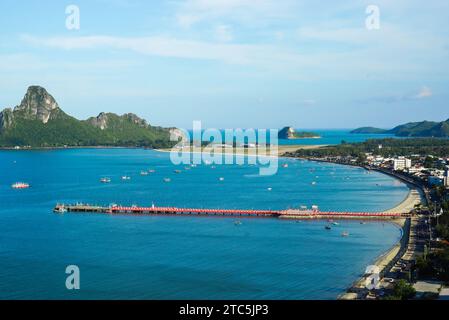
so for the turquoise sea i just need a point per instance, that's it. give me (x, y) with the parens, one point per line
(178, 257)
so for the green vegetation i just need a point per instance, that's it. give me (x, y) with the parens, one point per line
(413, 129)
(402, 291)
(63, 130)
(39, 122)
(383, 147)
(369, 130)
(290, 133)
(305, 134)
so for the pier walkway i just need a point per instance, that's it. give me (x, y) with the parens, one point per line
(291, 213)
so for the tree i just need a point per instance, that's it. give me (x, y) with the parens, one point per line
(403, 290)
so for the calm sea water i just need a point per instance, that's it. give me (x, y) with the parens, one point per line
(155, 257)
(333, 137)
(328, 137)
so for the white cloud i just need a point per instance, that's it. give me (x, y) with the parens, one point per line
(425, 92)
(262, 55)
(223, 33)
(309, 102)
(195, 11)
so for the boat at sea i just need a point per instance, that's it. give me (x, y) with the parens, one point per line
(105, 180)
(345, 234)
(125, 178)
(143, 173)
(20, 185)
(285, 165)
(328, 227)
(167, 179)
(151, 171)
(177, 171)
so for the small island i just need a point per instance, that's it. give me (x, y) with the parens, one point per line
(290, 133)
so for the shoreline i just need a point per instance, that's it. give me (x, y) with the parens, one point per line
(414, 196)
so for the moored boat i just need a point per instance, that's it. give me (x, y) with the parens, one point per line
(20, 185)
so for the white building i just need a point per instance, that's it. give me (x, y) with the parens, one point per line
(401, 163)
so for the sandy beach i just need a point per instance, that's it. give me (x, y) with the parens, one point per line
(261, 151)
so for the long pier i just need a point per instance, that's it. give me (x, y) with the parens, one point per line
(291, 213)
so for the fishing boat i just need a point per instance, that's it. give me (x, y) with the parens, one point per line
(105, 180)
(20, 185)
(126, 178)
(345, 234)
(221, 179)
(313, 183)
(269, 189)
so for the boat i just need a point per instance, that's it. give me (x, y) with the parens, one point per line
(285, 165)
(313, 183)
(167, 179)
(328, 227)
(105, 180)
(335, 223)
(151, 171)
(126, 178)
(20, 185)
(143, 173)
(177, 171)
(269, 189)
(59, 209)
(345, 234)
(221, 179)
(238, 223)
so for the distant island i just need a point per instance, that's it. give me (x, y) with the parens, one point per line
(412, 129)
(39, 122)
(290, 133)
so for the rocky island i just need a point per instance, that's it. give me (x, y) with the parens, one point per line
(39, 122)
(290, 133)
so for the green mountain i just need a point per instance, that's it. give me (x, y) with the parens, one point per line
(370, 130)
(39, 122)
(413, 129)
(290, 133)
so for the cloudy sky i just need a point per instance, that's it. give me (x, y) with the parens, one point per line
(232, 63)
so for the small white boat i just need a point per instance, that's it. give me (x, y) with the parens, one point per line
(238, 223)
(126, 178)
(167, 179)
(177, 171)
(335, 223)
(20, 185)
(221, 179)
(313, 183)
(285, 165)
(105, 180)
(269, 189)
(143, 173)
(345, 234)
(151, 171)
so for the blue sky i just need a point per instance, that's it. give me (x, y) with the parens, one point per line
(232, 63)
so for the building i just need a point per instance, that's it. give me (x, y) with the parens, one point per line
(446, 178)
(401, 163)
